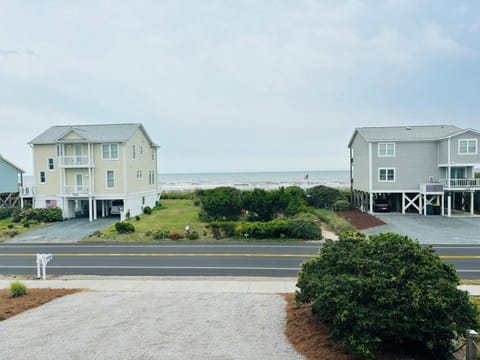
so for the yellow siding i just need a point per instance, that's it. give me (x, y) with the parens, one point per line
(41, 153)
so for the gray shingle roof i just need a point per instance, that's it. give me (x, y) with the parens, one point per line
(405, 133)
(90, 133)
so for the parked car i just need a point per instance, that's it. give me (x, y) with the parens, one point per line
(117, 207)
(381, 205)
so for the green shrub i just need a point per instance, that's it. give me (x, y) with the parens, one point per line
(160, 234)
(124, 227)
(304, 229)
(324, 197)
(10, 226)
(178, 195)
(387, 292)
(52, 214)
(17, 289)
(222, 229)
(147, 210)
(6, 213)
(222, 203)
(341, 205)
(263, 230)
(137, 218)
(193, 235)
(26, 224)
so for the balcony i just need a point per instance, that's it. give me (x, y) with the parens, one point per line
(461, 184)
(74, 161)
(76, 190)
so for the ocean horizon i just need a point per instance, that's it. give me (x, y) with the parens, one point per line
(267, 180)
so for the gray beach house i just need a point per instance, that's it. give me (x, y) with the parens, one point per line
(423, 169)
(95, 170)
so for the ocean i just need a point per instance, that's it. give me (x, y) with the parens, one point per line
(251, 180)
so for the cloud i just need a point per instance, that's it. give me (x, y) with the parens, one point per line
(18, 52)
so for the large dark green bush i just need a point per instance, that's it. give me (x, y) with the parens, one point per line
(221, 203)
(147, 210)
(124, 227)
(386, 292)
(324, 197)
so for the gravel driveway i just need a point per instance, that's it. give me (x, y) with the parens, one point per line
(150, 325)
(72, 230)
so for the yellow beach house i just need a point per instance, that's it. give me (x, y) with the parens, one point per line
(95, 170)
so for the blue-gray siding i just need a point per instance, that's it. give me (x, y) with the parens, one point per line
(8, 178)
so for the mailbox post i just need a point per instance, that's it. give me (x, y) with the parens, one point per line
(42, 261)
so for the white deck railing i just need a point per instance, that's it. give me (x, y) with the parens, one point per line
(76, 160)
(473, 183)
(79, 189)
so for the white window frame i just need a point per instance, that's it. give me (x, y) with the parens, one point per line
(60, 150)
(468, 143)
(134, 152)
(106, 179)
(385, 145)
(153, 154)
(386, 174)
(110, 157)
(44, 177)
(51, 161)
(139, 174)
(151, 177)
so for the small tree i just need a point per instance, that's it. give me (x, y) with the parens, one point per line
(324, 197)
(386, 292)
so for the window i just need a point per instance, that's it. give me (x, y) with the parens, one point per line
(134, 154)
(153, 154)
(59, 150)
(386, 149)
(151, 177)
(386, 174)
(51, 165)
(110, 151)
(110, 179)
(43, 179)
(467, 147)
(139, 174)
(141, 150)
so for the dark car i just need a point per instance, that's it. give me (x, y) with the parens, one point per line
(381, 205)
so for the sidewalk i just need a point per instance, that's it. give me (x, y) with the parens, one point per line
(246, 285)
(254, 285)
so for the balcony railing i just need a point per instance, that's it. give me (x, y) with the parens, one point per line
(76, 160)
(473, 183)
(78, 189)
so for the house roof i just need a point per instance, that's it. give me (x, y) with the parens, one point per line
(406, 133)
(11, 164)
(101, 133)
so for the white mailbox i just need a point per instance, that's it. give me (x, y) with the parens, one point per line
(42, 261)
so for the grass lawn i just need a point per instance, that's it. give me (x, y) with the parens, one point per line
(171, 217)
(17, 229)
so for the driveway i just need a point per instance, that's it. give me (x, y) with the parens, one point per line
(68, 231)
(431, 229)
(151, 319)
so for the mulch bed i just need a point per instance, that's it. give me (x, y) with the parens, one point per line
(34, 297)
(360, 220)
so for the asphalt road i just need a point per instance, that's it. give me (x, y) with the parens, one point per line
(242, 259)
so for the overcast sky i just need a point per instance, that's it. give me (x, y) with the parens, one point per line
(224, 86)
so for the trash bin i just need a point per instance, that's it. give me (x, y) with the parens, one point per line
(429, 209)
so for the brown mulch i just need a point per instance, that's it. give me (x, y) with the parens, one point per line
(360, 220)
(34, 297)
(310, 336)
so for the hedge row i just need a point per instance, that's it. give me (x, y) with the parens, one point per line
(297, 228)
(41, 215)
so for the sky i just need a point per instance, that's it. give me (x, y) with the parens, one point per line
(241, 85)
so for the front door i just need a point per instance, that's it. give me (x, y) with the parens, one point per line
(79, 183)
(458, 173)
(78, 153)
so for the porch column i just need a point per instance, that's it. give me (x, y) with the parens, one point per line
(371, 203)
(403, 203)
(443, 204)
(90, 209)
(425, 204)
(449, 205)
(94, 209)
(472, 199)
(103, 208)
(420, 203)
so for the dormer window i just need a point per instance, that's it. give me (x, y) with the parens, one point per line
(386, 149)
(467, 147)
